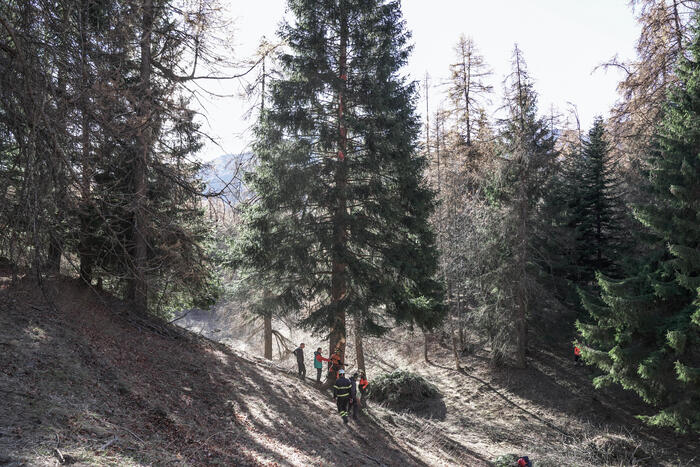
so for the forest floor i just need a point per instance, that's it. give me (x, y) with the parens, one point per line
(85, 382)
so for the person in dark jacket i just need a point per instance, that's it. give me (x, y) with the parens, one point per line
(299, 352)
(577, 354)
(341, 394)
(318, 363)
(354, 403)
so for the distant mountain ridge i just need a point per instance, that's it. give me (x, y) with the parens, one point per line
(225, 174)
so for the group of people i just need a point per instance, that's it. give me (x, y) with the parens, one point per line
(345, 390)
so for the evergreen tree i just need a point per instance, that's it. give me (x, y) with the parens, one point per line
(645, 329)
(341, 219)
(529, 155)
(584, 211)
(598, 211)
(97, 141)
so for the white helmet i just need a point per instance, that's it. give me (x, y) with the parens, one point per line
(341, 372)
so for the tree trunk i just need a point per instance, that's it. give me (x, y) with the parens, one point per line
(521, 333)
(521, 290)
(140, 287)
(460, 325)
(453, 338)
(60, 177)
(267, 326)
(338, 279)
(427, 115)
(359, 351)
(53, 264)
(86, 259)
(455, 352)
(425, 346)
(679, 30)
(466, 69)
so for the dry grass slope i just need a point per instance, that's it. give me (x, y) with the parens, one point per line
(83, 380)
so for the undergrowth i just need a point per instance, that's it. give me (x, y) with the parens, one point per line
(402, 386)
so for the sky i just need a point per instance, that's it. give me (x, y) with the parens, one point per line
(562, 41)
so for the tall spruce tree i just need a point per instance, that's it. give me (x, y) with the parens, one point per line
(645, 330)
(341, 222)
(585, 214)
(598, 211)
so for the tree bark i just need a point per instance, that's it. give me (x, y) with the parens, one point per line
(522, 220)
(267, 326)
(453, 338)
(359, 350)
(140, 287)
(460, 324)
(338, 280)
(677, 22)
(466, 70)
(521, 333)
(60, 178)
(455, 353)
(521, 290)
(427, 115)
(86, 259)
(425, 346)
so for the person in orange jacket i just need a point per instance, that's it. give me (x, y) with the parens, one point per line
(363, 385)
(335, 364)
(577, 354)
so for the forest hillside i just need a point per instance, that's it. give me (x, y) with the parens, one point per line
(86, 382)
(516, 275)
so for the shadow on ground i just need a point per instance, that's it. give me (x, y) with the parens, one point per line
(81, 376)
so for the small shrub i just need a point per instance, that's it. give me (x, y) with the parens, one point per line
(506, 460)
(617, 449)
(402, 388)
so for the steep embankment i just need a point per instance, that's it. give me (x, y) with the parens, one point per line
(85, 381)
(81, 377)
(549, 411)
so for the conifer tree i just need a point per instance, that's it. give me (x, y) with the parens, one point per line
(585, 213)
(598, 213)
(340, 225)
(460, 154)
(528, 154)
(645, 329)
(468, 87)
(100, 166)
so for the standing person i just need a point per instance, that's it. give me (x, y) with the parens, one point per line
(363, 389)
(341, 394)
(318, 363)
(335, 364)
(354, 403)
(299, 352)
(577, 355)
